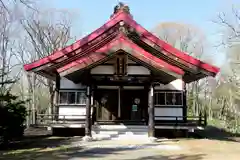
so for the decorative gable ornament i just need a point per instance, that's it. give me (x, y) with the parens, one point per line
(121, 7)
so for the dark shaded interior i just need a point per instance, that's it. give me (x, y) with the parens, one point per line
(133, 105)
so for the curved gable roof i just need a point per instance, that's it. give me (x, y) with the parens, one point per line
(124, 44)
(116, 19)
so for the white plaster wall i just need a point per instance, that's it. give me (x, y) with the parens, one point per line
(101, 69)
(67, 84)
(131, 70)
(72, 112)
(168, 112)
(137, 70)
(174, 85)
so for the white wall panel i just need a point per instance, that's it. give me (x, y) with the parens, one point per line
(174, 85)
(101, 69)
(131, 70)
(138, 70)
(72, 112)
(168, 112)
(67, 84)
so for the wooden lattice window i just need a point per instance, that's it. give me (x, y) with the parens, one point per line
(169, 98)
(72, 97)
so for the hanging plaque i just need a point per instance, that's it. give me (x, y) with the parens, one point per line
(134, 108)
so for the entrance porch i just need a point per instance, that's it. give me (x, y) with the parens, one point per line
(120, 104)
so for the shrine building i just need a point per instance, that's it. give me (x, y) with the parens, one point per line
(121, 77)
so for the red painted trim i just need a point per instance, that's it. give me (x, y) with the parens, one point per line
(168, 48)
(80, 60)
(58, 54)
(120, 42)
(151, 57)
(128, 19)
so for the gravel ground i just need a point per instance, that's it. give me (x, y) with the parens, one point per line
(45, 147)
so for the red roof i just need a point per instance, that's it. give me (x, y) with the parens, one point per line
(121, 43)
(65, 51)
(144, 34)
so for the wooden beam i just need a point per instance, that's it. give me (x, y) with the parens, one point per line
(88, 123)
(151, 123)
(56, 97)
(184, 102)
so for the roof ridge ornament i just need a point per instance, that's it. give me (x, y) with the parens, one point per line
(121, 7)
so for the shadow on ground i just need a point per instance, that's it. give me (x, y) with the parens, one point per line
(39, 142)
(38, 138)
(48, 147)
(215, 133)
(75, 153)
(175, 157)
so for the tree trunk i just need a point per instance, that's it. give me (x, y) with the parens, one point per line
(30, 93)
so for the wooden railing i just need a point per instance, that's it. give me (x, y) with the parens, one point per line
(181, 120)
(48, 119)
(120, 121)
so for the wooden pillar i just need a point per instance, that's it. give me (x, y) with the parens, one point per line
(184, 102)
(151, 115)
(33, 99)
(88, 123)
(56, 97)
(119, 101)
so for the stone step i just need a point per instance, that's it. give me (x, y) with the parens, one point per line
(130, 137)
(119, 136)
(119, 127)
(113, 131)
(119, 132)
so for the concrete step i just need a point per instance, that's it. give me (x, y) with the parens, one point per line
(130, 137)
(118, 127)
(119, 136)
(119, 132)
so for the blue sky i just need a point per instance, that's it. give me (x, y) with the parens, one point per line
(93, 13)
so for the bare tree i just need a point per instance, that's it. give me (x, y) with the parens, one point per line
(46, 32)
(230, 24)
(9, 21)
(189, 39)
(6, 50)
(6, 5)
(226, 94)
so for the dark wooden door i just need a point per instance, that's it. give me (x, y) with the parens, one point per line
(134, 104)
(106, 102)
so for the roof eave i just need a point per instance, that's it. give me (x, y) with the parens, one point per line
(120, 44)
